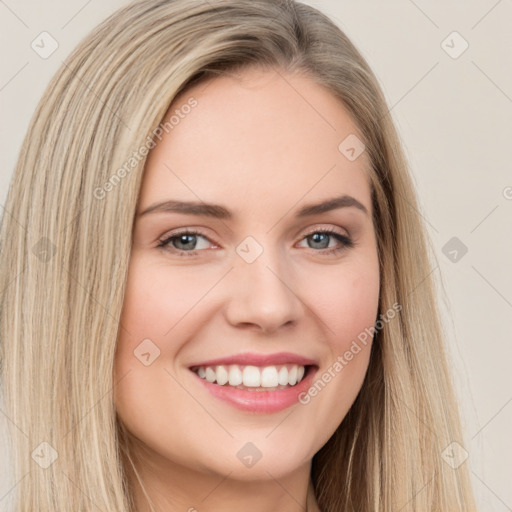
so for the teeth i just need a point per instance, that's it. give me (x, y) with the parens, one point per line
(211, 376)
(222, 375)
(292, 376)
(235, 375)
(283, 376)
(269, 377)
(253, 376)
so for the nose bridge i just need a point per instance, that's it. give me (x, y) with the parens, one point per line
(261, 290)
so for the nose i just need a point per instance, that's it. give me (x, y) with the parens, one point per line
(263, 294)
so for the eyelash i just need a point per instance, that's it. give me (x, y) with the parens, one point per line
(346, 242)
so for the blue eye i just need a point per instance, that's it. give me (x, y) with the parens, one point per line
(323, 237)
(187, 242)
(184, 242)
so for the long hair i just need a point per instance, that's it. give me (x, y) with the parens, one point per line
(66, 242)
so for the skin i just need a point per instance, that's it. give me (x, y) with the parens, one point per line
(262, 144)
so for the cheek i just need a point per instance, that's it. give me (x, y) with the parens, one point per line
(346, 301)
(347, 305)
(149, 311)
(158, 298)
(144, 389)
(158, 319)
(348, 311)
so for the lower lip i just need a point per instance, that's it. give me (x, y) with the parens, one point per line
(260, 401)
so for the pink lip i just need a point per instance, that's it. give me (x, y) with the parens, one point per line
(260, 401)
(258, 360)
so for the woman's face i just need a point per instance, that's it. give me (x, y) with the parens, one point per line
(233, 278)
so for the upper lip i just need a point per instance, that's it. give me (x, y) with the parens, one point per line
(258, 360)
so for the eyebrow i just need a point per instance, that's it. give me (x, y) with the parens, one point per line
(220, 212)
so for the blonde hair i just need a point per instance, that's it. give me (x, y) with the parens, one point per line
(66, 249)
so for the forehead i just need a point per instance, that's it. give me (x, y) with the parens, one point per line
(257, 140)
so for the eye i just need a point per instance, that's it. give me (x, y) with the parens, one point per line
(321, 239)
(188, 242)
(185, 243)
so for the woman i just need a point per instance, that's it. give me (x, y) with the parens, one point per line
(216, 290)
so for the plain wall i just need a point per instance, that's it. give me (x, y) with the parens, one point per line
(454, 114)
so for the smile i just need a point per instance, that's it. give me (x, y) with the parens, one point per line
(253, 378)
(253, 389)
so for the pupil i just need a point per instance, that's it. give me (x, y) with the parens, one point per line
(186, 240)
(317, 239)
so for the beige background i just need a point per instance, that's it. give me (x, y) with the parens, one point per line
(454, 115)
